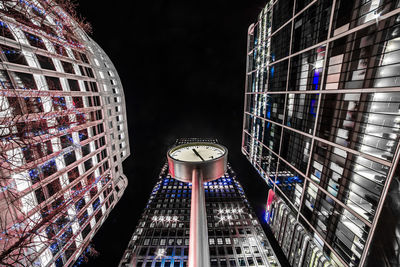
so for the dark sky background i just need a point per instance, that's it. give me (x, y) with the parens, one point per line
(182, 65)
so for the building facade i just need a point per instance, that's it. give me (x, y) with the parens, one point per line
(63, 135)
(235, 236)
(321, 126)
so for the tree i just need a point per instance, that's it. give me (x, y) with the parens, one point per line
(40, 131)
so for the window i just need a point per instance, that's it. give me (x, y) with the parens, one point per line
(66, 141)
(89, 72)
(68, 67)
(250, 261)
(45, 62)
(80, 118)
(88, 164)
(86, 231)
(80, 204)
(87, 87)
(238, 250)
(90, 101)
(59, 103)
(59, 261)
(69, 158)
(49, 168)
(39, 195)
(84, 58)
(5, 31)
(53, 187)
(90, 179)
(35, 41)
(60, 50)
(85, 150)
(33, 104)
(76, 55)
(18, 16)
(82, 70)
(73, 174)
(93, 86)
(98, 215)
(83, 218)
(83, 134)
(24, 80)
(32, 128)
(37, 151)
(96, 101)
(77, 102)
(241, 262)
(70, 250)
(5, 82)
(306, 32)
(73, 85)
(53, 83)
(13, 55)
(63, 122)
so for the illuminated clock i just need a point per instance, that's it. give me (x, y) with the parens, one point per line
(210, 158)
(198, 152)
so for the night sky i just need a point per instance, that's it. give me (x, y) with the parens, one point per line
(182, 65)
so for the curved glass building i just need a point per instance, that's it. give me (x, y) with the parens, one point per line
(63, 136)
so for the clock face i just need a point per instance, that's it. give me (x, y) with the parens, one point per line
(197, 153)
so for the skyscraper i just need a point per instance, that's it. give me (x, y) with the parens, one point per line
(321, 126)
(63, 135)
(235, 236)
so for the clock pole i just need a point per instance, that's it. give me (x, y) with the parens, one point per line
(198, 242)
(185, 169)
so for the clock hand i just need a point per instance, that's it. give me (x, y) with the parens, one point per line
(197, 154)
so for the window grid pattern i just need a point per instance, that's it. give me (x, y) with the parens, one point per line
(235, 235)
(333, 104)
(51, 79)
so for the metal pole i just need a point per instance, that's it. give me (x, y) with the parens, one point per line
(198, 242)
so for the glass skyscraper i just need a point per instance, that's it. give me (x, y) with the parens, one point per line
(235, 236)
(63, 135)
(321, 126)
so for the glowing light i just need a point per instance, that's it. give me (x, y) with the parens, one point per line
(376, 15)
(160, 253)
